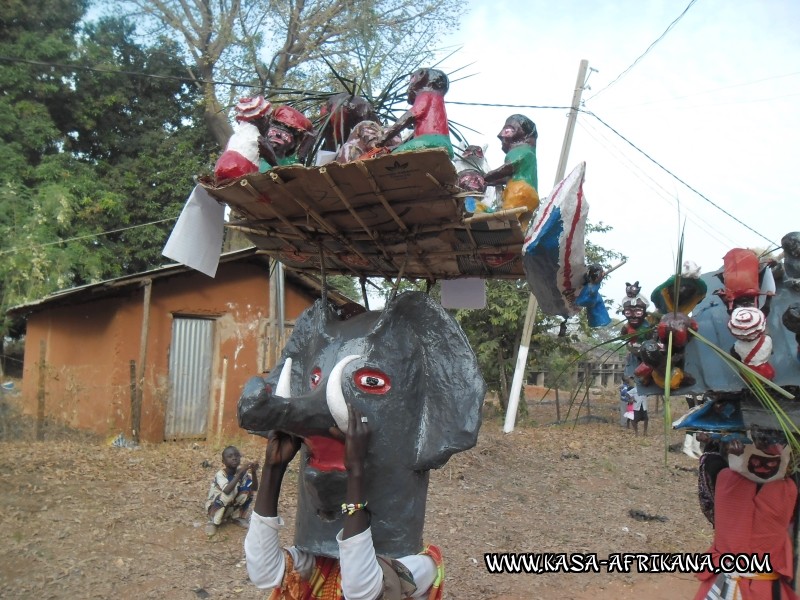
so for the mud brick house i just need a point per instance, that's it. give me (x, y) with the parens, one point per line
(159, 355)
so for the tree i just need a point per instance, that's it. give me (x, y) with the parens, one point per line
(143, 134)
(495, 331)
(88, 150)
(39, 32)
(226, 40)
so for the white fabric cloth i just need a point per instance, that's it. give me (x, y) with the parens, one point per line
(362, 578)
(639, 400)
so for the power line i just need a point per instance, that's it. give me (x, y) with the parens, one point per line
(189, 80)
(671, 174)
(711, 91)
(659, 190)
(480, 104)
(82, 237)
(490, 105)
(650, 47)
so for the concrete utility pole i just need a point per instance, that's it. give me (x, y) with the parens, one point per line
(533, 304)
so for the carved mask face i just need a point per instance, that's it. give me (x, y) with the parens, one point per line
(510, 133)
(410, 370)
(634, 314)
(282, 140)
(761, 466)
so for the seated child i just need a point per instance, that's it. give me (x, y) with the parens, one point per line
(231, 491)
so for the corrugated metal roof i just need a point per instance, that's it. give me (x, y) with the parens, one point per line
(112, 287)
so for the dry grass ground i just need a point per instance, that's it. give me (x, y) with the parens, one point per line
(82, 519)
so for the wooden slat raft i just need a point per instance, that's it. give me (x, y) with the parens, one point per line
(394, 216)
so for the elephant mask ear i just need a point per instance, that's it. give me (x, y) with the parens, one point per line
(453, 390)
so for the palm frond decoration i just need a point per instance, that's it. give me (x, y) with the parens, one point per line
(667, 404)
(668, 378)
(757, 384)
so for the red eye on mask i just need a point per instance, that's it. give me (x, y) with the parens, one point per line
(372, 381)
(316, 377)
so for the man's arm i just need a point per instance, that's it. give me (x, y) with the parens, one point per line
(254, 476)
(405, 121)
(264, 555)
(231, 485)
(500, 175)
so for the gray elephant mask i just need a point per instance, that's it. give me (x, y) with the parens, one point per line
(411, 371)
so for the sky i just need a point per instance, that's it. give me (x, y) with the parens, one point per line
(714, 102)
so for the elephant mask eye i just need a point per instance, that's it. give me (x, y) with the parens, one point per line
(316, 376)
(372, 381)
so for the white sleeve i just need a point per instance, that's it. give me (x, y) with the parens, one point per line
(423, 570)
(362, 577)
(264, 555)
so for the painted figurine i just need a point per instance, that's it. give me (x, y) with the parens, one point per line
(752, 346)
(633, 330)
(519, 172)
(287, 130)
(747, 493)
(674, 323)
(346, 111)
(634, 290)
(752, 502)
(241, 154)
(791, 320)
(427, 115)
(589, 297)
(362, 142)
(471, 166)
(791, 260)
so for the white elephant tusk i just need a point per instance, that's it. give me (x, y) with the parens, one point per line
(284, 387)
(334, 395)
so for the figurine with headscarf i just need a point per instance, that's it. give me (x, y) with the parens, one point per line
(241, 155)
(519, 172)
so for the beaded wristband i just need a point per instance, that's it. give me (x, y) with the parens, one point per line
(349, 509)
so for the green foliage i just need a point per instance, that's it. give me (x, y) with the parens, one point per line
(346, 285)
(495, 332)
(88, 151)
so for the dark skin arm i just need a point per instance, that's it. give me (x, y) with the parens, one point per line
(500, 175)
(281, 449)
(404, 122)
(306, 145)
(240, 472)
(266, 151)
(355, 450)
(254, 476)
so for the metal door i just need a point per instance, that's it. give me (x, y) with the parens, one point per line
(190, 358)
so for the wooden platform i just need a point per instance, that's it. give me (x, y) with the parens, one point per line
(394, 216)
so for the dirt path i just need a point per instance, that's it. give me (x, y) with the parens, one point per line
(83, 519)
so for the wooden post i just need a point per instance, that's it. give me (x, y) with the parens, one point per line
(558, 407)
(134, 387)
(221, 409)
(533, 303)
(588, 381)
(40, 395)
(272, 334)
(136, 409)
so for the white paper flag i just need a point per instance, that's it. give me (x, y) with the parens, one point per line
(196, 239)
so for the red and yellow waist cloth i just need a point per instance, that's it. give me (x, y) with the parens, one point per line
(325, 582)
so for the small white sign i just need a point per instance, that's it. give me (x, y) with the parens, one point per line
(464, 293)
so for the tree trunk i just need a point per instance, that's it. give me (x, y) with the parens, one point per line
(215, 116)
